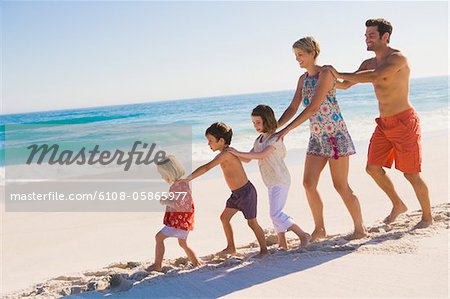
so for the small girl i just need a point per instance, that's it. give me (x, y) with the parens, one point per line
(179, 216)
(270, 154)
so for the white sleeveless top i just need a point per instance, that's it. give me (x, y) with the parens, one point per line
(273, 169)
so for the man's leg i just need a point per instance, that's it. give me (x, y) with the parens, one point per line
(385, 183)
(421, 190)
(381, 153)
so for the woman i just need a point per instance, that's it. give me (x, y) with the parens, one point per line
(329, 142)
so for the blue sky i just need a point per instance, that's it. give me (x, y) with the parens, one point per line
(58, 55)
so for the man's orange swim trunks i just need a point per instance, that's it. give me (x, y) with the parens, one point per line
(397, 137)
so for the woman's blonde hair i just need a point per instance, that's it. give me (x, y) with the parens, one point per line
(171, 168)
(309, 45)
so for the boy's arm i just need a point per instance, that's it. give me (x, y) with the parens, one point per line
(252, 154)
(206, 167)
(392, 65)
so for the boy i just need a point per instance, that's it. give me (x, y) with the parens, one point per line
(243, 194)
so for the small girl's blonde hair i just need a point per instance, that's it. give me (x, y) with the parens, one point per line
(171, 168)
(309, 45)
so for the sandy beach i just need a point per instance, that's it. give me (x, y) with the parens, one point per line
(56, 254)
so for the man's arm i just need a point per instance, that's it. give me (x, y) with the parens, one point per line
(345, 84)
(392, 65)
(293, 106)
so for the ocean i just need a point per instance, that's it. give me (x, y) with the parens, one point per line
(358, 106)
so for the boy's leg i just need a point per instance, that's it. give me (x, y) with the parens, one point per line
(259, 233)
(313, 167)
(421, 190)
(339, 173)
(189, 252)
(159, 252)
(225, 217)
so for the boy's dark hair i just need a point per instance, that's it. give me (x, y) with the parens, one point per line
(220, 130)
(383, 26)
(268, 117)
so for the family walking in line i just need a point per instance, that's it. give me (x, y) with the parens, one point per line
(396, 138)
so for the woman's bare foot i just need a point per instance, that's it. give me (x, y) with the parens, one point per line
(423, 224)
(304, 240)
(261, 254)
(226, 251)
(318, 234)
(153, 268)
(396, 211)
(357, 234)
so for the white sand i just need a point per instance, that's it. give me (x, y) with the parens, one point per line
(37, 247)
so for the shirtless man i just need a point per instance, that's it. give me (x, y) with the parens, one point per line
(243, 194)
(397, 135)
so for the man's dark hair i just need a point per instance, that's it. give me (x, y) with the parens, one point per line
(220, 130)
(383, 26)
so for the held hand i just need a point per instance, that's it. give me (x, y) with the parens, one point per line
(232, 150)
(332, 69)
(163, 201)
(280, 135)
(183, 180)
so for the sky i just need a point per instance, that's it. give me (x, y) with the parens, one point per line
(63, 55)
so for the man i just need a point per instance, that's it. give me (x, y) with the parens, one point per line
(397, 135)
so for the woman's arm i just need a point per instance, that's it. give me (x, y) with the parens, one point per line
(293, 106)
(324, 84)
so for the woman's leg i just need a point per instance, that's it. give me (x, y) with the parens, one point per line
(339, 172)
(313, 167)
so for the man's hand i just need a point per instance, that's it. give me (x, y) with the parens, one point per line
(332, 69)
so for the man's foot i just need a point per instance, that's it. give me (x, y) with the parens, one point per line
(318, 234)
(396, 211)
(226, 251)
(304, 240)
(153, 268)
(423, 224)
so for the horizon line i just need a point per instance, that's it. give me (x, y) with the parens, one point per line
(176, 99)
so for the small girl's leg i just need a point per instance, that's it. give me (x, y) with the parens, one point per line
(282, 243)
(302, 235)
(159, 253)
(189, 252)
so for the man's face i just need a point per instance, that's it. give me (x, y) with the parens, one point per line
(213, 143)
(373, 39)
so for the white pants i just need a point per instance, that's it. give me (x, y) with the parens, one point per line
(173, 232)
(277, 200)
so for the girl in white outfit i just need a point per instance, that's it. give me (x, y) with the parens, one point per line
(270, 154)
